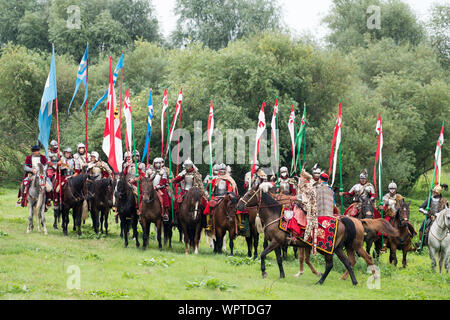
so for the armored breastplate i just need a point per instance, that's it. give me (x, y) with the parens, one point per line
(70, 168)
(434, 205)
(221, 188)
(53, 157)
(159, 174)
(284, 186)
(188, 181)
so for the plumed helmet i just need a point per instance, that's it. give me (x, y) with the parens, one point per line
(95, 155)
(437, 189)
(68, 149)
(392, 185)
(53, 143)
(284, 169)
(316, 169)
(363, 174)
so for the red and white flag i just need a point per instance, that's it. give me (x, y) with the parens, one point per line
(273, 124)
(163, 119)
(127, 113)
(210, 128)
(335, 145)
(291, 127)
(437, 156)
(174, 120)
(112, 139)
(378, 157)
(259, 132)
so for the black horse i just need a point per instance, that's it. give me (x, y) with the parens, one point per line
(126, 207)
(75, 193)
(100, 201)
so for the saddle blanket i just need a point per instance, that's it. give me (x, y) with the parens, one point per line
(326, 232)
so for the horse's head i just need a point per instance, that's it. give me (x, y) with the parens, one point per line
(148, 192)
(366, 208)
(249, 199)
(109, 191)
(120, 190)
(231, 203)
(445, 216)
(403, 213)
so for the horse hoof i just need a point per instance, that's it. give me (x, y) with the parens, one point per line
(298, 274)
(355, 283)
(264, 275)
(318, 283)
(28, 230)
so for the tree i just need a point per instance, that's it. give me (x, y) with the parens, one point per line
(217, 22)
(439, 26)
(33, 30)
(11, 13)
(351, 23)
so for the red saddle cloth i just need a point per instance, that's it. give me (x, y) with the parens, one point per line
(326, 233)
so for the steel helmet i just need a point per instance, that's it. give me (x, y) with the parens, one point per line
(392, 185)
(363, 174)
(95, 155)
(188, 162)
(283, 170)
(437, 189)
(68, 149)
(126, 154)
(81, 145)
(53, 143)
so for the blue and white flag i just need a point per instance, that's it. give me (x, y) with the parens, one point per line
(115, 73)
(45, 112)
(82, 77)
(149, 124)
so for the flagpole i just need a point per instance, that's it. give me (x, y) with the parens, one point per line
(341, 189)
(304, 136)
(59, 151)
(170, 162)
(87, 100)
(277, 150)
(179, 134)
(431, 188)
(135, 161)
(210, 172)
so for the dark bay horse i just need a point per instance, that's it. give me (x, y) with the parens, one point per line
(253, 238)
(150, 209)
(407, 232)
(190, 215)
(74, 195)
(348, 235)
(224, 219)
(126, 207)
(101, 201)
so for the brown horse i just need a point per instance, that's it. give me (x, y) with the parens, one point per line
(190, 215)
(407, 232)
(253, 238)
(101, 200)
(348, 236)
(224, 219)
(150, 209)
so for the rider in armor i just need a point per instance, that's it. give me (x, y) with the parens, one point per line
(316, 171)
(362, 191)
(221, 185)
(98, 169)
(52, 159)
(30, 168)
(324, 197)
(209, 178)
(160, 181)
(390, 201)
(437, 204)
(82, 157)
(287, 184)
(259, 177)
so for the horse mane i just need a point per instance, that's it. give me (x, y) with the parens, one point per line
(271, 202)
(78, 180)
(193, 194)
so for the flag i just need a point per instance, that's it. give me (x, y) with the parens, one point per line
(210, 128)
(174, 120)
(82, 77)
(129, 129)
(45, 112)
(259, 132)
(273, 124)
(437, 156)
(112, 139)
(149, 124)
(291, 127)
(163, 118)
(335, 145)
(299, 137)
(116, 72)
(378, 157)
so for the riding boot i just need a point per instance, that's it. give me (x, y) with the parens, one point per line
(384, 248)
(165, 216)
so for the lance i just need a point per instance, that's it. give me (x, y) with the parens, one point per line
(278, 150)
(135, 161)
(170, 161)
(431, 188)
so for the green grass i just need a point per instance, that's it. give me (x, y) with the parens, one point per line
(35, 266)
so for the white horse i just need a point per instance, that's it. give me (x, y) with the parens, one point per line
(439, 240)
(37, 198)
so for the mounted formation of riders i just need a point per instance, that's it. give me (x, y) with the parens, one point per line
(304, 195)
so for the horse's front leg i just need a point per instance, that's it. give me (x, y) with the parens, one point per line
(273, 245)
(231, 244)
(393, 254)
(405, 252)
(158, 233)
(432, 253)
(30, 217)
(42, 217)
(135, 232)
(279, 261)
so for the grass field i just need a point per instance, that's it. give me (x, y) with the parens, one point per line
(35, 266)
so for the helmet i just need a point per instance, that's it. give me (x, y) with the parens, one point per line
(188, 162)
(53, 143)
(68, 149)
(283, 170)
(316, 169)
(95, 155)
(126, 155)
(137, 153)
(437, 189)
(158, 160)
(392, 185)
(229, 170)
(256, 164)
(216, 167)
(363, 174)
(81, 145)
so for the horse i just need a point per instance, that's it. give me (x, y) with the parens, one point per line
(439, 240)
(403, 240)
(37, 199)
(253, 237)
(150, 209)
(224, 219)
(348, 235)
(74, 197)
(190, 218)
(100, 200)
(126, 206)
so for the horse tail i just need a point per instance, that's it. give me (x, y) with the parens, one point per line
(350, 231)
(84, 210)
(379, 225)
